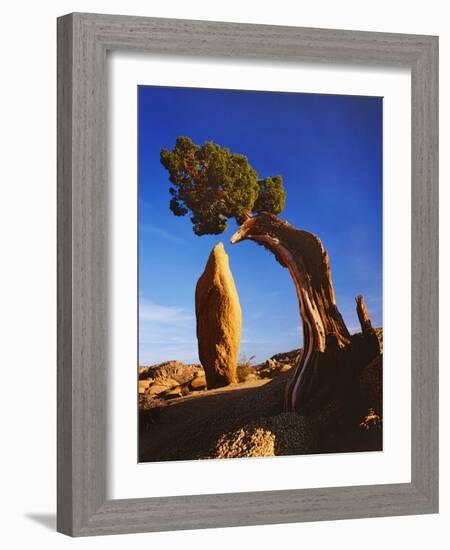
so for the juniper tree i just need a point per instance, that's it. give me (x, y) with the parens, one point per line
(213, 184)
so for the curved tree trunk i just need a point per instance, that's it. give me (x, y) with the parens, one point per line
(331, 357)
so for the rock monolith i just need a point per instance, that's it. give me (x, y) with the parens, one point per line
(219, 320)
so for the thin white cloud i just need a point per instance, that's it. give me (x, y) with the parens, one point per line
(152, 354)
(151, 336)
(165, 333)
(252, 341)
(159, 232)
(151, 311)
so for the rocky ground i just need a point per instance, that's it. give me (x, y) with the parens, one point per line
(180, 419)
(173, 379)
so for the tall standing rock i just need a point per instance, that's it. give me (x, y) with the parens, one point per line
(219, 320)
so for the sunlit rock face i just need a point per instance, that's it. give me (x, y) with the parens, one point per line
(219, 320)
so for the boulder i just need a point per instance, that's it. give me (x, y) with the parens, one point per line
(285, 368)
(144, 385)
(272, 363)
(219, 320)
(167, 382)
(199, 374)
(251, 377)
(175, 370)
(283, 434)
(143, 373)
(173, 394)
(291, 357)
(198, 383)
(157, 389)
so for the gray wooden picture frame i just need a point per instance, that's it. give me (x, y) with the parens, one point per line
(83, 41)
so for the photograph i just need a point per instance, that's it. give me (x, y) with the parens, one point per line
(269, 350)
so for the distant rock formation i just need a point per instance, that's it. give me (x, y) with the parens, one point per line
(219, 320)
(169, 370)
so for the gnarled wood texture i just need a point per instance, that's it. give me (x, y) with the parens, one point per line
(363, 316)
(332, 358)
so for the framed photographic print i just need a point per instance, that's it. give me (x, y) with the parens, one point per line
(247, 274)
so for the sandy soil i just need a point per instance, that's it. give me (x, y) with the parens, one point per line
(187, 427)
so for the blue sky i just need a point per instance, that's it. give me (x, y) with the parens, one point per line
(329, 151)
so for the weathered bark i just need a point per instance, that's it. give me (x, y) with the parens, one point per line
(363, 316)
(331, 356)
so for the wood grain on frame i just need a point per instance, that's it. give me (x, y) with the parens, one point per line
(83, 240)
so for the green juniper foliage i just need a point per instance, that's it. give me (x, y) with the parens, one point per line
(214, 185)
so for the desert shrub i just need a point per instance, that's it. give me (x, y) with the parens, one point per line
(244, 367)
